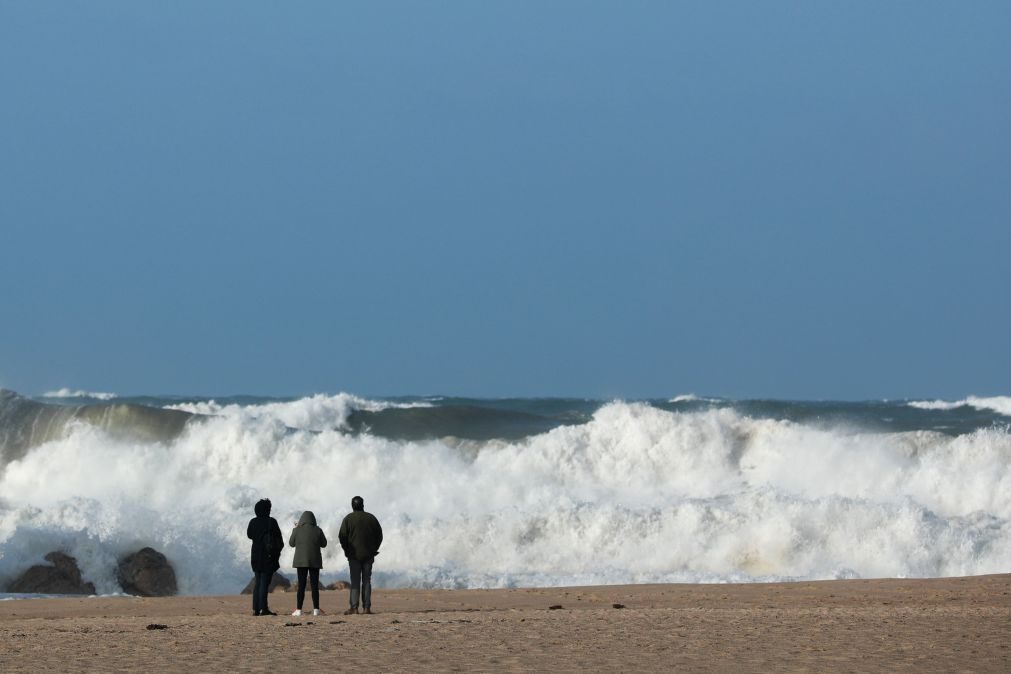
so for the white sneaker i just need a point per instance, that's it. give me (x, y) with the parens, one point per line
(297, 611)
(317, 611)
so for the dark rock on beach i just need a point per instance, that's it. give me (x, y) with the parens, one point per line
(147, 573)
(336, 585)
(63, 577)
(278, 581)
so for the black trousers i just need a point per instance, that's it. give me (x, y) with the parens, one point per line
(313, 574)
(261, 584)
(361, 582)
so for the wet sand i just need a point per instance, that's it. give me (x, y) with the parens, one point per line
(936, 625)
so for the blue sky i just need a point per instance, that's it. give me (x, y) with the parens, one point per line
(784, 199)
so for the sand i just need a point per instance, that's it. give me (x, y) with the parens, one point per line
(943, 625)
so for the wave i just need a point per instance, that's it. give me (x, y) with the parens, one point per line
(693, 397)
(70, 393)
(317, 412)
(632, 494)
(415, 420)
(999, 404)
(685, 398)
(450, 421)
(25, 424)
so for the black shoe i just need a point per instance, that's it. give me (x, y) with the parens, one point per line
(256, 613)
(367, 611)
(267, 611)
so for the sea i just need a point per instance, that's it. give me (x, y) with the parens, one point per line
(513, 492)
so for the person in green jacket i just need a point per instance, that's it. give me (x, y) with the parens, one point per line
(360, 536)
(308, 540)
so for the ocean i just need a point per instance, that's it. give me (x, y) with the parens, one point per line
(487, 493)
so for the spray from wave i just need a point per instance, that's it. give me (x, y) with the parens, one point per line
(630, 493)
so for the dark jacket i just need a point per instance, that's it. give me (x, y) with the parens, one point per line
(307, 539)
(265, 551)
(360, 536)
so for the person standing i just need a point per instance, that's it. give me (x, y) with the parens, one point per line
(264, 554)
(360, 536)
(308, 541)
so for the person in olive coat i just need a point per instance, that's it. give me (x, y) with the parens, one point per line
(360, 536)
(308, 540)
(264, 553)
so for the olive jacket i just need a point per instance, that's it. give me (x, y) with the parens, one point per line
(360, 536)
(307, 539)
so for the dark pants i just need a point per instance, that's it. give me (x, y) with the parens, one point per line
(261, 584)
(313, 574)
(361, 582)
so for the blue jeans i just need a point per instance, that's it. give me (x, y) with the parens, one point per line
(361, 582)
(261, 584)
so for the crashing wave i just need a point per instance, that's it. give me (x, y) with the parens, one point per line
(25, 423)
(71, 393)
(999, 404)
(634, 494)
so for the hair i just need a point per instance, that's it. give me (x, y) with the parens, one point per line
(262, 507)
(358, 503)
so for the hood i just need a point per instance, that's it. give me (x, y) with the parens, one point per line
(307, 518)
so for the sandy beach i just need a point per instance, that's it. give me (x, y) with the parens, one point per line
(952, 624)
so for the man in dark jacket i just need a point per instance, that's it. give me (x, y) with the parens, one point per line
(360, 536)
(264, 553)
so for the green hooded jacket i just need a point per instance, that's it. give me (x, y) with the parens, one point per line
(307, 539)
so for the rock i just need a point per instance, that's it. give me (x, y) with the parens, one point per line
(63, 577)
(278, 581)
(336, 585)
(147, 573)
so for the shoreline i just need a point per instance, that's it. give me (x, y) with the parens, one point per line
(939, 624)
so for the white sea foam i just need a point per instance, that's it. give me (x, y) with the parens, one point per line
(636, 494)
(999, 404)
(72, 393)
(317, 412)
(9, 596)
(935, 404)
